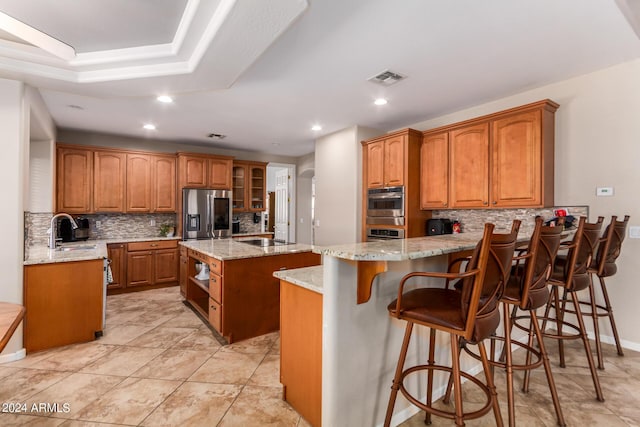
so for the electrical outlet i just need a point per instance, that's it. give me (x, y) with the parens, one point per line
(604, 191)
(634, 232)
(152, 222)
(98, 224)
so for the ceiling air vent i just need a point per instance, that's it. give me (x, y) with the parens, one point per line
(217, 136)
(387, 78)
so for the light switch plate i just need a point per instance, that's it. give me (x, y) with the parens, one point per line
(604, 191)
(634, 232)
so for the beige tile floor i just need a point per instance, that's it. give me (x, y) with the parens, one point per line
(158, 365)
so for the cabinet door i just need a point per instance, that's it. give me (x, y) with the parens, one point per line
(109, 170)
(434, 171)
(139, 268)
(239, 189)
(258, 189)
(73, 180)
(193, 172)
(469, 162)
(116, 254)
(220, 173)
(184, 271)
(394, 161)
(166, 266)
(139, 183)
(375, 164)
(516, 171)
(164, 183)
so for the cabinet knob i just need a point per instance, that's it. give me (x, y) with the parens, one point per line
(485, 203)
(495, 203)
(153, 245)
(444, 204)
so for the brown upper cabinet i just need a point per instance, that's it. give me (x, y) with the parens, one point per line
(104, 180)
(74, 180)
(203, 171)
(500, 160)
(249, 186)
(385, 162)
(109, 177)
(151, 183)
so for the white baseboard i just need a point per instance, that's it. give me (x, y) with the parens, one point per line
(12, 357)
(610, 340)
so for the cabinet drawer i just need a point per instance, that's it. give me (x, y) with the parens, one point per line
(215, 266)
(215, 315)
(215, 287)
(157, 244)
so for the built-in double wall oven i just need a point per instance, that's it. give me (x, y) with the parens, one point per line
(385, 206)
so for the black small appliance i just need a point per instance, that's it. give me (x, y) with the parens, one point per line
(235, 226)
(68, 234)
(437, 226)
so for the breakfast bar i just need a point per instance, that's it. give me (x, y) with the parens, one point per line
(360, 341)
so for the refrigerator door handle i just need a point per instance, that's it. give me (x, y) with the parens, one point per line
(208, 215)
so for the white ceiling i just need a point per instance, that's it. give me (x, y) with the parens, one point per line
(263, 73)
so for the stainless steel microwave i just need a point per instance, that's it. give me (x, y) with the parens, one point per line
(385, 202)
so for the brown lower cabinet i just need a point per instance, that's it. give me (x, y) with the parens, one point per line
(143, 265)
(241, 299)
(63, 303)
(301, 350)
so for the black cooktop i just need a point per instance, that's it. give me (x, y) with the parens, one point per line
(264, 242)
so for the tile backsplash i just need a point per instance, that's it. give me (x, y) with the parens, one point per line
(474, 219)
(115, 226)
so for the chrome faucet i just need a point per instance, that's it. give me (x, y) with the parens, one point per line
(53, 229)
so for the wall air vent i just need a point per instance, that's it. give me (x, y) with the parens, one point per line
(217, 136)
(387, 78)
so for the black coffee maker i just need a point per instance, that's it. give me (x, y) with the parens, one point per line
(68, 234)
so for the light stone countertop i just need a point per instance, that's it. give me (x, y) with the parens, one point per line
(44, 255)
(307, 277)
(228, 249)
(402, 249)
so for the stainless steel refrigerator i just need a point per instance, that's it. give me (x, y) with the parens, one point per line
(206, 213)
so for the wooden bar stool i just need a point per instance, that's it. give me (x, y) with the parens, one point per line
(604, 265)
(572, 275)
(527, 290)
(471, 314)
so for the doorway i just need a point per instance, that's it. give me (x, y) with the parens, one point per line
(281, 181)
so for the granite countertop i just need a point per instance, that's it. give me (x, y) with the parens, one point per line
(402, 249)
(307, 277)
(87, 250)
(228, 249)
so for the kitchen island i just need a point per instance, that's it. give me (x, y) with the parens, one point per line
(240, 298)
(360, 341)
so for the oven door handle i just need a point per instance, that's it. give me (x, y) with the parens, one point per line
(386, 196)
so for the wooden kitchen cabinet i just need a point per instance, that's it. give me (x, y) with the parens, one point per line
(385, 162)
(184, 266)
(203, 171)
(469, 173)
(151, 183)
(249, 186)
(74, 180)
(152, 264)
(109, 177)
(117, 257)
(64, 303)
(501, 160)
(434, 176)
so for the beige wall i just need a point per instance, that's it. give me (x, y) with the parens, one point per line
(597, 144)
(306, 171)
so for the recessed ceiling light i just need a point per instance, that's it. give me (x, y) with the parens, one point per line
(316, 127)
(165, 98)
(380, 101)
(149, 126)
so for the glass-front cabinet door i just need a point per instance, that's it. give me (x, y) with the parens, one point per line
(258, 188)
(239, 188)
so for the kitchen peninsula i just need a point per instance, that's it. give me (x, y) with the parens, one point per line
(360, 342)
(241, 298)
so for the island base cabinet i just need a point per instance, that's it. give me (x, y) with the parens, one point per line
(301, 350)
(215, 314)
(63, 302)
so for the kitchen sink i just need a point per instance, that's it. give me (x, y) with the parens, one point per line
(75, 248)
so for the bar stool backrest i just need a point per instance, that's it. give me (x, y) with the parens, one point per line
(487, 316)
(610, 246)
(585, 241)
(543, 248)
